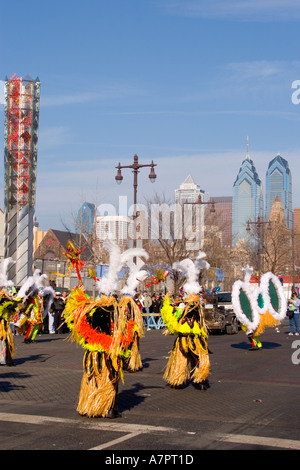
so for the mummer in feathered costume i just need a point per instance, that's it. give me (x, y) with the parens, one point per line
(106, 334)
(7, 312)
(31, 295)
(129, 310)
(189, 358)
(258, 308)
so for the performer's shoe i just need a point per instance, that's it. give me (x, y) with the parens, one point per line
(255, 348)
(202, 386)
(112, 414)
(10, 364)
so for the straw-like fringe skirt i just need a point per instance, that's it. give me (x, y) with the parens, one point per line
(98, 387)
(188, 360)
(134, 361)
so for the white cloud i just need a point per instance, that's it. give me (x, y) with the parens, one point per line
(255, 69)
(240, 10)
(114, 91)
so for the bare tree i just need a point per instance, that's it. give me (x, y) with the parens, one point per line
(169, 240)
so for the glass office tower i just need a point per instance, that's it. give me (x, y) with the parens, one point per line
(247, 201)
(279, 185)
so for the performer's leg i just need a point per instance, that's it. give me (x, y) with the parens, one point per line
(258, 342)
(35, 330)
(27, 338)
(255, 343)
(9, 359)
(114, 411)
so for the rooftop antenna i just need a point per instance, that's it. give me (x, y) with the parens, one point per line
(248, 157)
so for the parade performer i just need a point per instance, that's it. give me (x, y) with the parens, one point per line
(258, 308)
(31, 315)
(106, 334)
(7, 312)
(189, 357)
(73, 260)
(129, 309)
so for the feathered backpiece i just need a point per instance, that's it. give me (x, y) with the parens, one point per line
(244, 302)
(109, 283)
(136, 275)
(191, 271)
(28, 287)
(35, 284)
(272, 295)
(47, 292)
(4, 265)
(260, 307)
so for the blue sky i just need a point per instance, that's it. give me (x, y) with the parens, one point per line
(182, 83)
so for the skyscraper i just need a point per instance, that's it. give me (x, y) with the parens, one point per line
(20, 159)
(188, 191)
(189, 196)
(279, 185)
(86, 218)
(247, 201)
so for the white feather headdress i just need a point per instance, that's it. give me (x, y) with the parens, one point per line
(35, 283)
(136, 275)
(109, 283)
(4, 265)
(191, 270)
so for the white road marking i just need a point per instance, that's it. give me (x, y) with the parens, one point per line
(260, 441)
(133, 430)
(130, 430)
(116, 441)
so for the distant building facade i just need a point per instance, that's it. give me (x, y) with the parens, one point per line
(222, 218)
(190, 196)
(279, 185)
(188, 191)
(85, 221)
(113, 227)
(50, 258)
(247, 201)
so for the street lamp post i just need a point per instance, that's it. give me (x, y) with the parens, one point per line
(258, 223)
(135, 170)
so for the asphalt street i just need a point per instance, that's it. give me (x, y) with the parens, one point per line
(252, 401)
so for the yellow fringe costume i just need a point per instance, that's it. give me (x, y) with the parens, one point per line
(106, 334)
(129, 310)
(7, 312)
(189, 357)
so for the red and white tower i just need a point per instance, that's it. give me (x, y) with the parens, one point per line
(22, 97)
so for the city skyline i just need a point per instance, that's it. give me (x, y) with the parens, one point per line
(180, 83)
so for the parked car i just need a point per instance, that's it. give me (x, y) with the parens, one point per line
(224, 299)
(219, 314)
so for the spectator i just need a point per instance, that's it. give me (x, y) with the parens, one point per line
(294, 319)
(57, 308)
(156, 303)
(147, 302)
